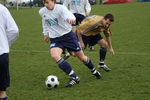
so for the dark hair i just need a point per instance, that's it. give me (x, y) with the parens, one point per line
(110, 17)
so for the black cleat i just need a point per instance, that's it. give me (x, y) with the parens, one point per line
(66, 56)
(91, 48)
(73, 82)
(104, 67)
(97, 74)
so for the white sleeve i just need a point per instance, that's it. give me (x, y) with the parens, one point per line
(66, 14)
(87, 6)
(45, 28)
(44, 24)
(12, 30)
(66, 3)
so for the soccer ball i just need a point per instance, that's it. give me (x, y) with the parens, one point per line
(51, 82)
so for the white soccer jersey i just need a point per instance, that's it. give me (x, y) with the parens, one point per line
(78, 6)
(8, 30)
(54, 21)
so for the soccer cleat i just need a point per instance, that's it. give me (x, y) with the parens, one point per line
(91, 48)
(72, 82)
(104, 67)
(67, 55)
(97, 74)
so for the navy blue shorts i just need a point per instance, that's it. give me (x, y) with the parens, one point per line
(79, 19)
(4, 72)
(68, 41)
(91, 40)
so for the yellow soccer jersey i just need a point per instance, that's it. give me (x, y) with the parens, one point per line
(92, 26)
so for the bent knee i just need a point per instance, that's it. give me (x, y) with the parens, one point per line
(55, 57)
(83, 58)
(103, 43)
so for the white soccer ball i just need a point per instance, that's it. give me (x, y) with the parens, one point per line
(51, 82)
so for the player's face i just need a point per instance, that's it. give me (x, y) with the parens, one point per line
(49, 4)
(107, 22)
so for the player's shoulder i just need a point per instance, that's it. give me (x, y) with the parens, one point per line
(42, 10)
(2, 8)
(96, 16)
(89, 18)
(59, 6)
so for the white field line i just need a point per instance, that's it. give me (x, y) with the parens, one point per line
(129, 53)
(120, 53)
(29, 51)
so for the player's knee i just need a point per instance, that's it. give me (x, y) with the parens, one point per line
(83, 58)
(56, 57)
(104, 45)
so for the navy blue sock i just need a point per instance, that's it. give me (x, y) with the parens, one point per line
(6, 98)
(65, 66)
(89, 64)
(102, 54)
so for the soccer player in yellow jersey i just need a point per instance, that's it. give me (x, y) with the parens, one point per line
(89, 33)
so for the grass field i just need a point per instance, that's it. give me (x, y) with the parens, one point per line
(30, 62)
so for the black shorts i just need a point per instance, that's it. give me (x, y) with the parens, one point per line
(79, 19)
(91, 40)
(4, 72)
(68, 41)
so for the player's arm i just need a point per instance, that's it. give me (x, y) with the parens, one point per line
(12, 30)
(80, 39)
(67, 15)
(45, 29)
(66, 3)
(108, 39)
(87, 8)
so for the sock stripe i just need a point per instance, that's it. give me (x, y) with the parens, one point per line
(60, 61)
(6, 98)
(72, 72)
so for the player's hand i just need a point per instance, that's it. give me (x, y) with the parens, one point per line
(71, 21)
(112, 51)
(46, 38)
(87, 14)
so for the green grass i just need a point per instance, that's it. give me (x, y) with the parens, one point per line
(128, 80)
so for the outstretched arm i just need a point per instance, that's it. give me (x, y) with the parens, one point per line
(108, 39)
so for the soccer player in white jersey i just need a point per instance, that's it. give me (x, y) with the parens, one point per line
(8, 34)
(56, 22)
(80, 9)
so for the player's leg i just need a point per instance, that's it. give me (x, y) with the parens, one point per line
(102, 53)
(91, 48)
(63, 64)
(87, 61)
(4, 76)
(74, 30)
(3, 95)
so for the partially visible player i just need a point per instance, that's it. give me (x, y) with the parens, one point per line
(56, 22)
(89, 33)
(8, 34)
(80, 9)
